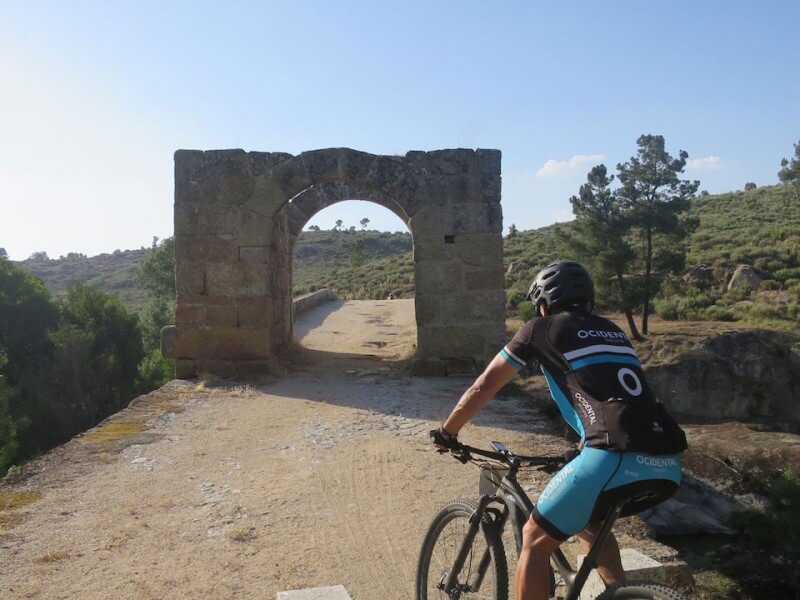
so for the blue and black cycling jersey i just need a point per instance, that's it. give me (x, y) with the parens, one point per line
(631, 444)
(597, 382)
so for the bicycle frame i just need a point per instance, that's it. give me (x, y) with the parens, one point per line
(517, 507)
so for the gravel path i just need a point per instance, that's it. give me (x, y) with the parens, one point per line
(325, 477)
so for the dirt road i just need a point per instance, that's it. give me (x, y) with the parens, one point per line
(231, 491)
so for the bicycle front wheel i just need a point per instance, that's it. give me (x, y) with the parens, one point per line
(484, 574)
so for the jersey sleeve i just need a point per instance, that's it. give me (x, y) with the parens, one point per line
(520, 350)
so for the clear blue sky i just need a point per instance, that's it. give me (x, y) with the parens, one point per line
(96, 96)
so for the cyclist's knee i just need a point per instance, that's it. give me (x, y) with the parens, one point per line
(536, 539)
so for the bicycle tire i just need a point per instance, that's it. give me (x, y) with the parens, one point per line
(488, 536)
(641, 590)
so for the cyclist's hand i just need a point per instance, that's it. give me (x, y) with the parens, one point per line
(443, 441)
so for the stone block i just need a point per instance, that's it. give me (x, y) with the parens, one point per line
(437, 278)
(480, 249)
(489, 162)
(223, 343)
(473, 306)
(428, 367)
(473, 217)
(452, 341)
(205, 249)
(218, 219)
(190, 314)
(190, 277)
(268, 197)
(261, 163)
(484, 278)
(258, 254)
(253, 229)
(334, 592)
(237, 279)
(428, 309)
(293, 176)
(255, 311)
(460, 366)
(168, 337)
(184, 369)
(429, 221)
(222, 315)
(428, 247)
(186, 219)
(296, 218)
(216, 175)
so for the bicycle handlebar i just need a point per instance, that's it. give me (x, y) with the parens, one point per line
(463, 452)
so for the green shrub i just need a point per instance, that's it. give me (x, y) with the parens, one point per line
(777, 529)
(793, 311)
(717, 313)
(770, 284)
(514, 297)
(525, 312)
(756, 311)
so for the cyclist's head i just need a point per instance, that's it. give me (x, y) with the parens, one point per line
(562, 285)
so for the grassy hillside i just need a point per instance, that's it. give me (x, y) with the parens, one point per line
(356, 264)
(114, 273)
(760, 228)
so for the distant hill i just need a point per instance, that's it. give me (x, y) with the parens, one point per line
(114, 273)
(759, 227)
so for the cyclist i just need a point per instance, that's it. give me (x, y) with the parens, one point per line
(629, 444)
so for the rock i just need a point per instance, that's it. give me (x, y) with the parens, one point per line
(517, 267)
(746, 276)
(734, 375)
(694, 509)
(701, 276)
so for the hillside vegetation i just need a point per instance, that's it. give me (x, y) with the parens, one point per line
(113, 273)
(758, 227)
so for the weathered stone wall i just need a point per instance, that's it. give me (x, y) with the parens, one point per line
(305, 303)
(237, 215)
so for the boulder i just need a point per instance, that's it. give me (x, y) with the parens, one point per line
(517, 267)
(746, 276)
(745, 374)
(695, 509)
(701, 276)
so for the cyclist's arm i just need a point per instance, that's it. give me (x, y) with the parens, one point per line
(498, 373)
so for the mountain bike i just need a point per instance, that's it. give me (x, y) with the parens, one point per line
(463, 556)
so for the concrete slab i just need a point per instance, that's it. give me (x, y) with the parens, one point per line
(333, 592)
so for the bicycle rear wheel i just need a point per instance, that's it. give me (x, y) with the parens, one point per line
(641, 590)
(442, 541)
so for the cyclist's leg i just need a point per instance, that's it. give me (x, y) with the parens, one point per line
(532, 581)
(609, 563)
(563, 509)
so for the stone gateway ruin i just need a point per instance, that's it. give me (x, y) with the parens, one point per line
(238, 215)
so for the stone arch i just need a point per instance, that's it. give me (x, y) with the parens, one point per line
(237, 214)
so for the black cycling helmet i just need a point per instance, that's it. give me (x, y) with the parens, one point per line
(563, 284)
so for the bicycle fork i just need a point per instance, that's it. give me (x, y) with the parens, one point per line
(451, 586)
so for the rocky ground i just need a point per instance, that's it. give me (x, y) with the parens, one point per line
(219, 490)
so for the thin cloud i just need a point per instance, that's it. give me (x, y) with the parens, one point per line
(555, 167)
(706, 162)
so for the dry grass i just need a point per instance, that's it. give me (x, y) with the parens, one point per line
(111, 432)
(241, 533)
(10, 520)
(51, 557)
(13, 500)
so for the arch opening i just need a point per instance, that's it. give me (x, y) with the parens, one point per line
(371, 312)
